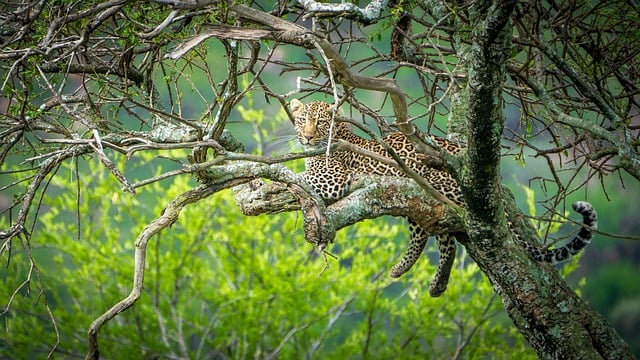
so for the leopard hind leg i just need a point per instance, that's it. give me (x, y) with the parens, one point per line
(447, 249)
(417, 241)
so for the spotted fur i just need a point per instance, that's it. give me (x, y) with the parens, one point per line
(579, 242)
(331, 178)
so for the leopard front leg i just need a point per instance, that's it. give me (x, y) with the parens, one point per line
(328, 177)
(447, 249)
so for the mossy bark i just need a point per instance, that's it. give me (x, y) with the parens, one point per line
(554, 320)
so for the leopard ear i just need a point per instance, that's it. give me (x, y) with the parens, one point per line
(295, 105)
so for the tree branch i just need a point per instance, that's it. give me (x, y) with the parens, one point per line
(629, 159)
(374, 196)
(491, 46)
(582, 85)
(367, 16)
(168, 217)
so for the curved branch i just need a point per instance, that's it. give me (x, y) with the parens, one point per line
(168, 217)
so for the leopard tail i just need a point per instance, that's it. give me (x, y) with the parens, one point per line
(577, 244)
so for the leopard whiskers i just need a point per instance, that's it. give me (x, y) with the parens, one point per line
(283, 144)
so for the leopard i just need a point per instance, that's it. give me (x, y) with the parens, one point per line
(331, 176)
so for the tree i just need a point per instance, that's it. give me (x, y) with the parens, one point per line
(105, 78)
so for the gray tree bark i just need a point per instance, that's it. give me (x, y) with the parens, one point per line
(554, 320)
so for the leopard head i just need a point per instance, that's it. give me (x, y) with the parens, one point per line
(312, 122)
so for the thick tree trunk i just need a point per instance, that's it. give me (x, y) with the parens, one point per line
(554, 320)
(551, 317)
